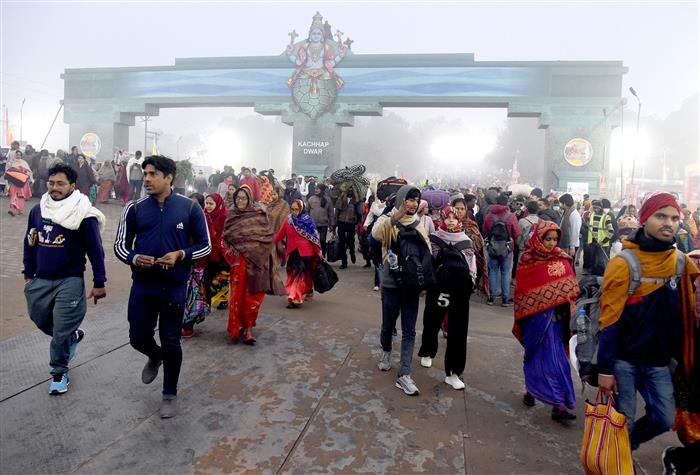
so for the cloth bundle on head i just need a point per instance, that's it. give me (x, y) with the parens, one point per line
(654, 201)
(355, 175)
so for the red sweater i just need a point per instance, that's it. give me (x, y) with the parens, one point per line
(511, 222)
(296, 241)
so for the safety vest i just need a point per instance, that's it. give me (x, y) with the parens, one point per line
(598, 224)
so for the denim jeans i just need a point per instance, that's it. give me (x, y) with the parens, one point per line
(404, 301)
(57, 307)
(503, 267)
(655, 385)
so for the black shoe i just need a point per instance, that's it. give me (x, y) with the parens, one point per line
(367, 266)
(562, 416)
(528, 400)
(343, 266)
(507, 303)
(352, 258)
(489, 301)
(667, 461)
(222, 305)
(150, 371)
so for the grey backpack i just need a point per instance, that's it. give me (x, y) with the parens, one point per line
(591, 290)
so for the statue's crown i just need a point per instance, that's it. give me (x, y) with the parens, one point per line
(317, 21)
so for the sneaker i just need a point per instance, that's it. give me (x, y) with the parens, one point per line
(406, 384)
(168, 407)
(376, 288)
(454, 381)
(150, 371)
(507, 303)
(426, 361)
(78, 335)
(59, 384)
(385, 361)
(187, 332)
(489, 301)
(667, 461)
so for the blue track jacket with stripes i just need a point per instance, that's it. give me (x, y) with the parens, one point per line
(147, 228)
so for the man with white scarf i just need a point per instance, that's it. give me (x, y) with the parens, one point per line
(62, 229)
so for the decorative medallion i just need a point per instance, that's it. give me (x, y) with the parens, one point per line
(578, 152)
(90, 144)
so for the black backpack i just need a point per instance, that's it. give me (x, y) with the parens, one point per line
(498, 242)
(451, 267)
(415, 258)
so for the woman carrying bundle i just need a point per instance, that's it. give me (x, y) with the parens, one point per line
(303, 252)
(545, 295)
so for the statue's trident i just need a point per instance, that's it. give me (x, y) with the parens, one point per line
(292, 36)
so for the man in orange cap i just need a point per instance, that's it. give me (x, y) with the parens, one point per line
(644, 328)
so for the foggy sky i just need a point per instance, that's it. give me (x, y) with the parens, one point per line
(657, 41)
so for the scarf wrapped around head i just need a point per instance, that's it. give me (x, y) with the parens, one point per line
(444, 214)
(249, 233)
(218, 215)
(304, 224)
(544, 278)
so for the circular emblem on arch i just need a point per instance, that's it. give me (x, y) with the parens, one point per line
(90, 144)
(578, 152)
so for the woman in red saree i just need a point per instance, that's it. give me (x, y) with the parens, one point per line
(247, 247)
(303, 251)
(545, 295)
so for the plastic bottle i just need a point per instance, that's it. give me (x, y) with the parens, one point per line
(582, 326)
(393, 261)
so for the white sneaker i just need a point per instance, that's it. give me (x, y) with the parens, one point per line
(406, 384)
(426, 361)
(454, 381)
(375, 288)
(385, 361)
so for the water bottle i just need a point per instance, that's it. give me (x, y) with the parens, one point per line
(582, 326)
(393, 261)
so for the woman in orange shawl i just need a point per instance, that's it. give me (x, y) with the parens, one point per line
(545, 295)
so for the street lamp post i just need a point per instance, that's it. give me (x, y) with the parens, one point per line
(636, 145)
(20, 119)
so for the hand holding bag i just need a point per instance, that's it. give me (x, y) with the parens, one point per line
(605, 449)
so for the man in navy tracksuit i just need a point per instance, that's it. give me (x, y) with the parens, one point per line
(159, 236)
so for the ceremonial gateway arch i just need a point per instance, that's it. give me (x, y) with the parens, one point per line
(318, 86)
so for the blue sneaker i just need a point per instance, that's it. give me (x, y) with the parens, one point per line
(59, 385)
(78, 335)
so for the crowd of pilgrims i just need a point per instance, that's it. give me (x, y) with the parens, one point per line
(522, 246)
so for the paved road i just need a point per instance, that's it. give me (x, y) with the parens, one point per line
(306, 399)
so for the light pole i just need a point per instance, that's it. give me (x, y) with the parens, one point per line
(622, 142)
(636, 145)
(178, 147)
(20, 119)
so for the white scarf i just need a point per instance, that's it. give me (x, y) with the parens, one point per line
(70, 211)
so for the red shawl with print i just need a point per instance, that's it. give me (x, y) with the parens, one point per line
(544, 277)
